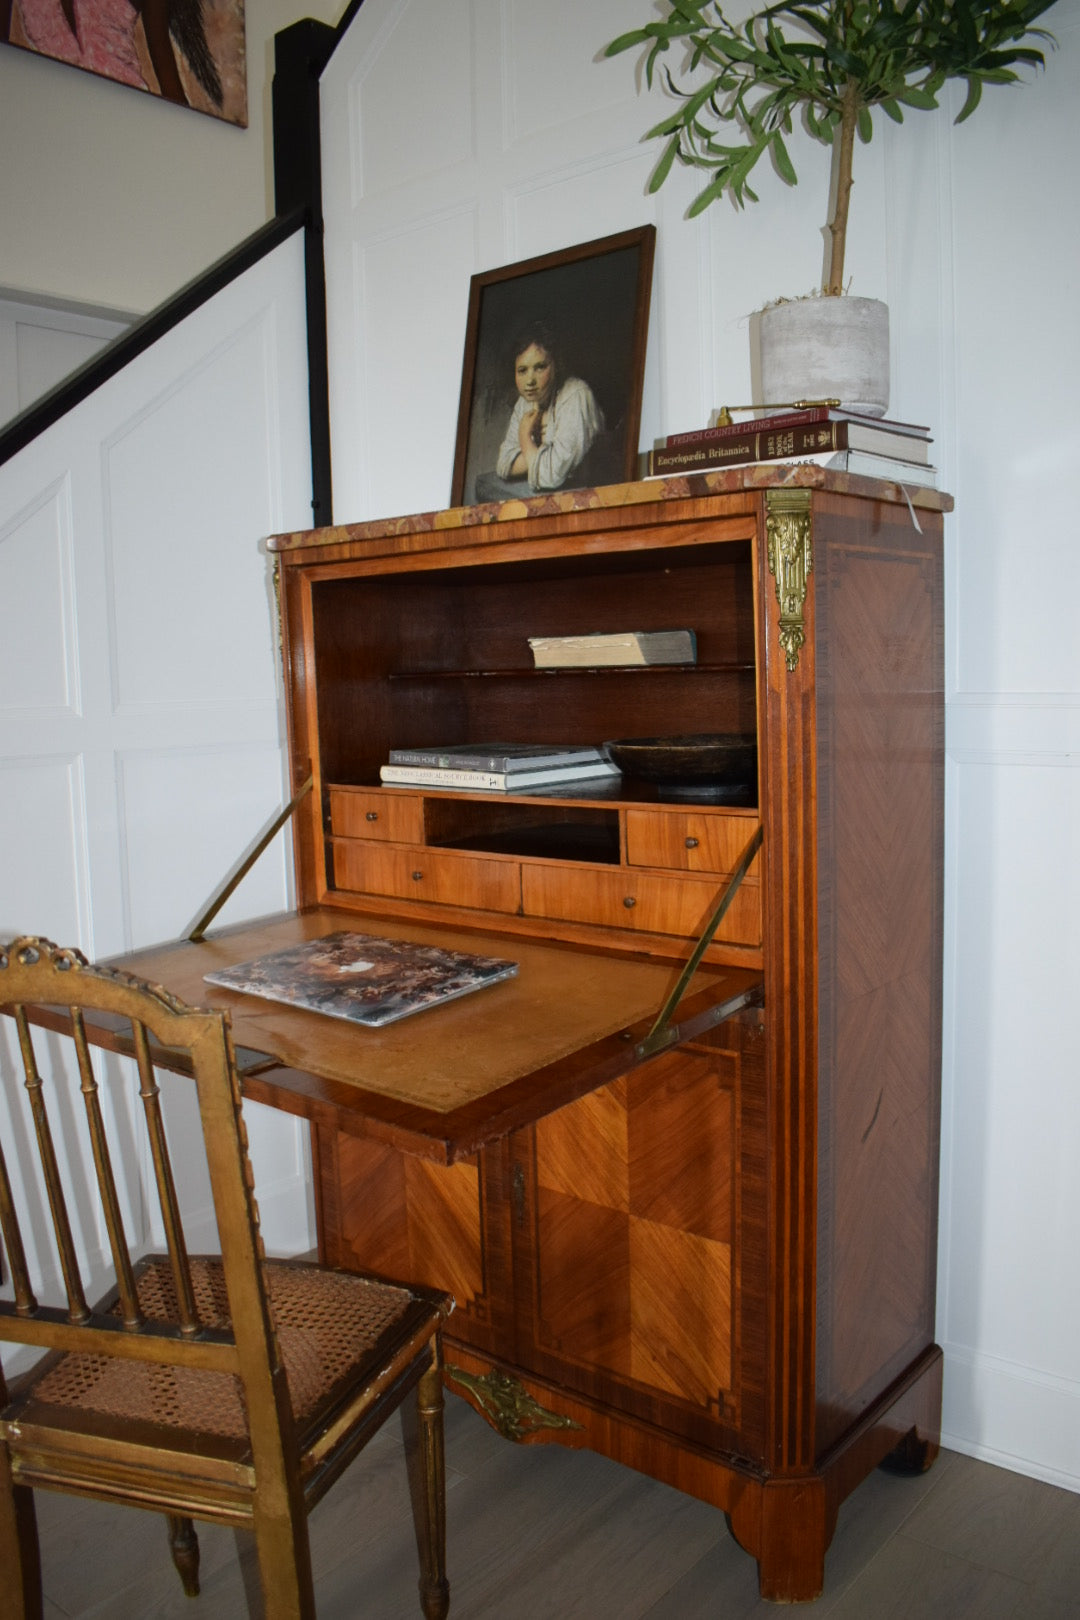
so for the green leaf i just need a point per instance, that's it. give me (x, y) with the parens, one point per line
(704, 198)
(913, 96)
(782, 160)
(663, 168)
(865, 124)
(974, 96)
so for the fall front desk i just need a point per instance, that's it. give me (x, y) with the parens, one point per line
(711, 1257)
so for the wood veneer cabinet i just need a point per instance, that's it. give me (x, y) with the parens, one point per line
(719, 1265)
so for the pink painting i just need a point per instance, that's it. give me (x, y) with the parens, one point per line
(188, 51)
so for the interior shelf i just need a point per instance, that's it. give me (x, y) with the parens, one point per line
(580, 669)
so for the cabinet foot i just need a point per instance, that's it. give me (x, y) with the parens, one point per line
(914, 1454)
(784, 1526)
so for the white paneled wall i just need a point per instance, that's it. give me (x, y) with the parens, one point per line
(140, 713)
(479, 132)
(40, 344)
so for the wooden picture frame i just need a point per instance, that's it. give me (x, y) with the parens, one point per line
(586, 309)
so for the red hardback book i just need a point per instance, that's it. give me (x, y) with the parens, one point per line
(808, 417)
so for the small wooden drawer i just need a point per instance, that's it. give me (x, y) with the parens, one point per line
(360, 813)
(483, 882)
(650, 902)
(688, 840)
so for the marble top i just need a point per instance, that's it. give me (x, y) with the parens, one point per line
(731, 480)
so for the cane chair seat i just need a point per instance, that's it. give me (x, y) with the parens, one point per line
(227, 1387)
(332, 1328)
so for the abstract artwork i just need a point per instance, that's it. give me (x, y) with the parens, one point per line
(187, 51)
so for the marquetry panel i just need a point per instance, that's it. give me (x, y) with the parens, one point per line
(585, 1281)
(682, 1175)
(406, 1218)
(634, 1230)
(680, 1314)
(880, 754)
(583, 1151)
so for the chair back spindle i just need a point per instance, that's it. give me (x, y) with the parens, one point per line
(25, 1298)
(130, 1313)
(150, 1093)
(78, 1309)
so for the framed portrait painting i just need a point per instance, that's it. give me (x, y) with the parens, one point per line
(553, 371)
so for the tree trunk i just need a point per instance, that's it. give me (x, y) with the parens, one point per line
(845, 148)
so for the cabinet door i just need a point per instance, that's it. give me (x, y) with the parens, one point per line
(638, 1260)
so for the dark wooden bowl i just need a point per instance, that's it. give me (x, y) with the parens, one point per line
(725, 760)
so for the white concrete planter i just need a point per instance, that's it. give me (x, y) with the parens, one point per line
(827, 348)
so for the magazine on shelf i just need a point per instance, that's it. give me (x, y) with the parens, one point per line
(495, 781)
(362, 977)
(499, 756)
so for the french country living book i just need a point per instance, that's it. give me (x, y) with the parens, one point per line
(784, 444)
(499, 756)
(362, 977)
(495, 781)
(604, 649)
(810, 416)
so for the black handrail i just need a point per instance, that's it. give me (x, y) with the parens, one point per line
(301, 52)
(104, 365)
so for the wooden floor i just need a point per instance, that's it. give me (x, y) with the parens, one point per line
(540, 1533)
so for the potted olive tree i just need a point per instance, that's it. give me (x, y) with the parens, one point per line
(826, 64)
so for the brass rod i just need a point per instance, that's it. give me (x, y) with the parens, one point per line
(656, 1039)
(236, 878)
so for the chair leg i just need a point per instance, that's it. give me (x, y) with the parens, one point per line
(427, 1482)
(184, 1546)
(20, 1555)
(284, 1555)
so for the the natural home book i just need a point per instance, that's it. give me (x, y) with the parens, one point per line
(362, 977)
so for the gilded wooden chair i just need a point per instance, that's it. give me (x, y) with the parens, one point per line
(228, 1387)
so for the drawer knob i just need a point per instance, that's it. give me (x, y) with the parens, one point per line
(691, 843)
(418, 877)
(629, 902)
(372, 815)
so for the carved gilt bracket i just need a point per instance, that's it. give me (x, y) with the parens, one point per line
(788, 537)
(507, 1404)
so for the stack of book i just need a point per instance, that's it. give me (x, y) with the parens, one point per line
(611, 649)
(499, 767)
(828, 435)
